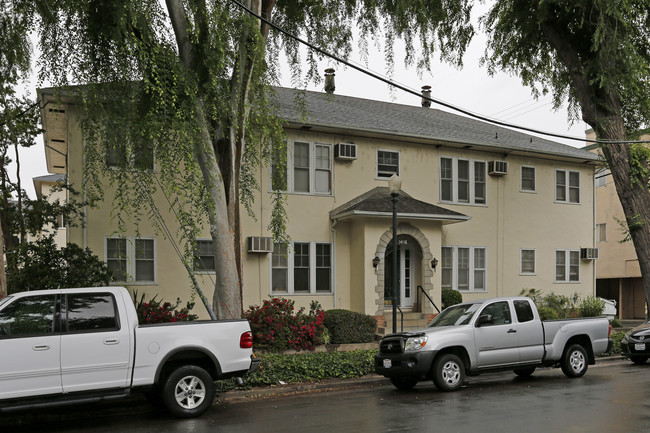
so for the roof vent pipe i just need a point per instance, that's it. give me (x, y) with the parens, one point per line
(426, 96)
(329, 81)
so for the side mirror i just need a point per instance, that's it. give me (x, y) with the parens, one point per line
(484, 319)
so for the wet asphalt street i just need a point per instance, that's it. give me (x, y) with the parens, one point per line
(612, 397)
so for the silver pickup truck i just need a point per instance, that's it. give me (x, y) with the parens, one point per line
(490, 335)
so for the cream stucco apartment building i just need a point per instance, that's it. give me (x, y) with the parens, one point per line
(483, 209)
(618, 275)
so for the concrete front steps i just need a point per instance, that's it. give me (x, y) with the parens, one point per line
(412, 321)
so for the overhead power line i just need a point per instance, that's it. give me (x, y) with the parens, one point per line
(418, 94)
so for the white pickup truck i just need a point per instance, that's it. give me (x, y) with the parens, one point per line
(490, 335)
(80, 345)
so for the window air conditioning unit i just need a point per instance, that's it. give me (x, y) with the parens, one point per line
(345, 151)
(260, 244)
(588, 253)
(497, 168)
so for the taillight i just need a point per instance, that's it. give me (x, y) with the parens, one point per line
(246, 340)
(609, 334)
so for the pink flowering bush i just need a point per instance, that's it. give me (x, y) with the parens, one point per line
(157, 311)
(275, 327)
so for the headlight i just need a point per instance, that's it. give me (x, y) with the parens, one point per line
(627, 335)
(415, 343)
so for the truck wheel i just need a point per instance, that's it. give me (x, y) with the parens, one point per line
(574, 361)
(524, 372)
(448, 372)
(403, 383)
(639, 360)
(188, 391)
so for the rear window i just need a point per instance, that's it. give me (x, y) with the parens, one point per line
(91, 312)
(524, 311)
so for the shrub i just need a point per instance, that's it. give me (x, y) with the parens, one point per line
(276, 328)
(616, 346)
(157, 311)
(450, 297)
(346, 326)
(592, 307)
(615, 323)
(307, 367)
(546, 313)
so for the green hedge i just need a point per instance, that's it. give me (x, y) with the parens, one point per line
(306, 367)
(346, 326)
(450, 297)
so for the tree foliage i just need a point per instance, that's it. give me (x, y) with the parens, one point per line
(191, 81)
(40, 265)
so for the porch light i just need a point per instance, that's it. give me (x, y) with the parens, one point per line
(394, 184)
(434, 263)
(375, 262)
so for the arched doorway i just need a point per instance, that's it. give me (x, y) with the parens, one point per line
(409, 272)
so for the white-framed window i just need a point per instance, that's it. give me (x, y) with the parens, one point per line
(139, 156)
(308, 171)
(387, 163)
(527, 261)
(463, 181)
(527, 179)
(601, 232)
(567, 266)
(204, 260)
(567, 186)
(464, 268)
(305, 268)
(131, 259)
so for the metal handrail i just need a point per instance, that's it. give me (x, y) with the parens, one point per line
(421, 289)
(401, 313)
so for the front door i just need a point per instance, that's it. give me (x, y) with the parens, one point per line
(407, 256)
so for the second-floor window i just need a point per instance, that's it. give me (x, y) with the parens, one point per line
(139, 156)
(309, 169)
(528, 179)
(567, 186)
(462, 181)
(387, 163)
(131, 259)
(527, 262)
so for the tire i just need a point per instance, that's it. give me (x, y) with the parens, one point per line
(188, 391)
(524, 372)
(448, 372)
(639, 360)
(575, 361)
(403, 383)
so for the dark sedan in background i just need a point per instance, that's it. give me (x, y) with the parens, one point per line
(636, 344)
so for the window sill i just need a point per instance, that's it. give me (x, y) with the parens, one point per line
(567, 202)
(527, 274)
(528, 191)
(463, 203)
(566, 282)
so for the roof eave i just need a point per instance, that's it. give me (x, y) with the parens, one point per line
(445, 219)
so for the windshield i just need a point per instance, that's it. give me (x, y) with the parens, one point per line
(455, 316)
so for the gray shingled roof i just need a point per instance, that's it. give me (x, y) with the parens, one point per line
(377, 202)
(50, 178)
(365, 115)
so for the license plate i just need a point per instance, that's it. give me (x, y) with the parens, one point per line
(638, 347)
(388, 363)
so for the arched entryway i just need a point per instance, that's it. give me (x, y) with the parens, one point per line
(413, 267)
(409, 271)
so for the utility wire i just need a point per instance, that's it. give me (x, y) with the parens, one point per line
(418, 94)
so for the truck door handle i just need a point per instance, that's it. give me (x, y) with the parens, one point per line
(110, 341)
(511, 331)
(41, 347)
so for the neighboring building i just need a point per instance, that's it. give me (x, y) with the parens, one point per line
(498, 211)
(47, 186)
(618, 275)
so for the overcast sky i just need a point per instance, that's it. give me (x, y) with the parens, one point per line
(501, 97)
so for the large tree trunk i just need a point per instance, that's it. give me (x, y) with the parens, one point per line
(227, 299)
(3, 275)
(601, 109)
